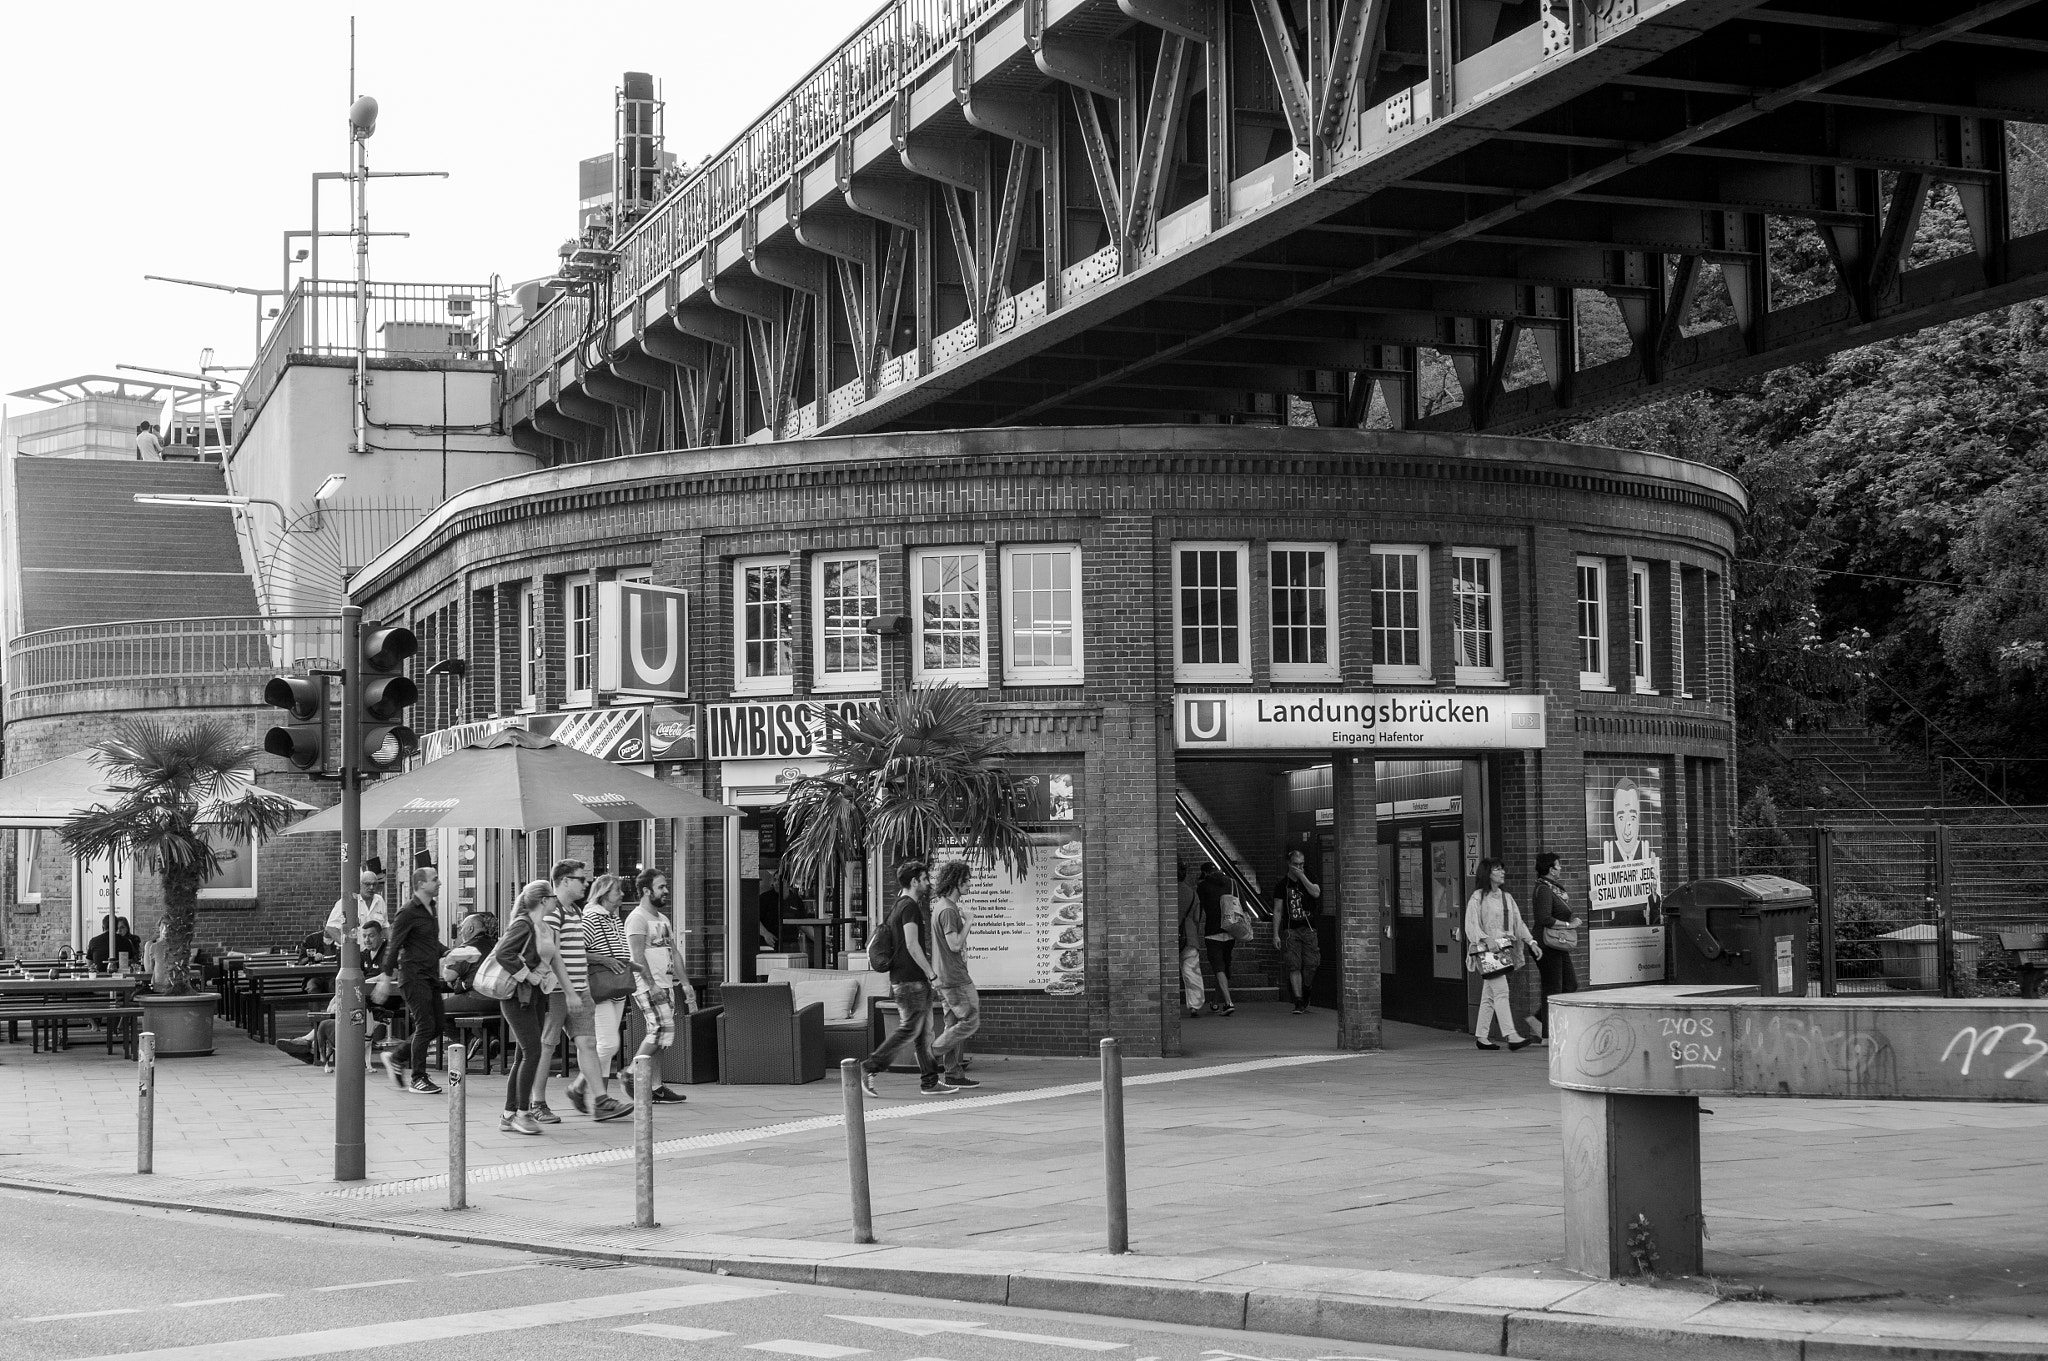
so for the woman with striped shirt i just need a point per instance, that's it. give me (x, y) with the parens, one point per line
(604, 941)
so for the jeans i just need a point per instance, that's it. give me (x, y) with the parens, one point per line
(913, 1026)
(522, 1018)
(423, 1014)
(1560, 973)
(963, 1014)
(1494, 1004)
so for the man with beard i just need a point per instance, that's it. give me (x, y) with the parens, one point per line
(651, 940)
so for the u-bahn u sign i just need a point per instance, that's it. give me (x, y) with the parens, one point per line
(1341, 720)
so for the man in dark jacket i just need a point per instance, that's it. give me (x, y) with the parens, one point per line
(415, 957)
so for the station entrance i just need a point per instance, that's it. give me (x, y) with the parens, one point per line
(1433, 821)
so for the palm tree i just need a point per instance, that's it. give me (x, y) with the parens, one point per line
(916, 772)
(177, 785)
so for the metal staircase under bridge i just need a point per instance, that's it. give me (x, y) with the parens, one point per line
(979, 213)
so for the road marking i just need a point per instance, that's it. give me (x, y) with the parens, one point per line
(811, 1124)
(672, 1330)
(370, 1337)
(496, 1270)
(224, 1299)
(928, 1327)
(366, 1285)
(786, 1347)
(90, 1313)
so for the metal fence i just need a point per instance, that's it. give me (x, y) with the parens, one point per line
(146, 652)
(1915, 907)
(405, 320)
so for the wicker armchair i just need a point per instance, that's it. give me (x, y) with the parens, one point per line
(693, 1058)
(763, 1039)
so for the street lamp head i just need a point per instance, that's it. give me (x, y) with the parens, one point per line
(362, 118)
(330, 487)
(188, 499)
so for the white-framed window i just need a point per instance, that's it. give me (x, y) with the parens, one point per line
(1042, 614)
(846, 592)
(952, 632)
(236, 877)
(28, 871)
(1679, 680)
(1639, 628)
(532, 652)
(1593, 624)
(1475, 617)
(579, 638)
(1400, 613)
(1302, 586)
(1210, 601)
(764, 651)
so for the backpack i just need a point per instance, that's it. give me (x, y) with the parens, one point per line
(887, 943)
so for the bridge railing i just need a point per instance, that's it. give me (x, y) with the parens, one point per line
(870, 67)
(159, 652)
(412, 320)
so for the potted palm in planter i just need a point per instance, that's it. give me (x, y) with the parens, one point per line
(176, 785)
(918, 771)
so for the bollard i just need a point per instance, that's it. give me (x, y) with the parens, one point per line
(1113, 1147)
(857, 1151)
(643, 1141)
(145, 1102)
(458, 1129)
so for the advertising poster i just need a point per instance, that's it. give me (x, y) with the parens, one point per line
(1028, 933)
(1625, 833)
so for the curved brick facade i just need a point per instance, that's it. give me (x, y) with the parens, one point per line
(1655, 534)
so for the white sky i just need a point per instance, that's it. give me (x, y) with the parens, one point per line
(178, 139)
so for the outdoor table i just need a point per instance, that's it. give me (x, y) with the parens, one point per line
(118, 990)
(267, 985)
(818, 928)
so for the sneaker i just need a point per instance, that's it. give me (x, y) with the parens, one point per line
(960, 1080)
(867, 1083)
(576, 1098)
(539, 1111)
(302, 1050)
(663, 1096)
(1301, 1011)
(607, 1108)
(936, 1087)
(391, 1067)
(424, 1085)
(522, 1123)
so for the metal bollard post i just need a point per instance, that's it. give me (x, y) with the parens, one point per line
(857, 1151)
(1113, 1147)
(643, 1141)
(458, 1128)
(145, 1102)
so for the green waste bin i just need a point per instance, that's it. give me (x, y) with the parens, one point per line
(1751, 930)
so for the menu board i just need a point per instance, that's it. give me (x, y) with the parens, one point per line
(1028, 932)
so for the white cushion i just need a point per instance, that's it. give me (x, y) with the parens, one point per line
(838, 994)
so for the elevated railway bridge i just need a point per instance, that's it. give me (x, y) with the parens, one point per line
(981, 213)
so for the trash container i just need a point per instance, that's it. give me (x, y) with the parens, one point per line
(1750, 930)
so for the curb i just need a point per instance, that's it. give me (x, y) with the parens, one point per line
(1489, 1331)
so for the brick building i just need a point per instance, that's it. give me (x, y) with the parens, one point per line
(1397, 652)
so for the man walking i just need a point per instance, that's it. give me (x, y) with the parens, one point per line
(415, 957)
(1294, 928)
(572, 1010)
(949, 973)
(910, 975)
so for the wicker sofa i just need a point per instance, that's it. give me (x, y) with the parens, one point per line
(845, 994)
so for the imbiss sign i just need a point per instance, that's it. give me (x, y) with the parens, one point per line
(774, 727)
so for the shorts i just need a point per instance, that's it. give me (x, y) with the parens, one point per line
(1301, 951)
(580, 1027)
(1219, 955)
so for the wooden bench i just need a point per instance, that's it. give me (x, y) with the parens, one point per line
(50, 1023)
(2031, 948)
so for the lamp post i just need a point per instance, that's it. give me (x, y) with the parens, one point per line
(362, 125)
(257, 293)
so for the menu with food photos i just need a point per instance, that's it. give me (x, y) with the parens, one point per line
(1028, 932)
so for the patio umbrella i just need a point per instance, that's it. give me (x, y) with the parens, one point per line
(519, 780)
(51, 794)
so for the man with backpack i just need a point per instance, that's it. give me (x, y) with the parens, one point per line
(899, 947)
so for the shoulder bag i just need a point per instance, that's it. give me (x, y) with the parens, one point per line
(1235, 924)
(610, 978)
(492, 979)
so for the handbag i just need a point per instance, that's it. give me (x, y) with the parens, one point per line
(493, 980)
(1234, 924)
(1559, 936)
(1494, 963)
(610, 979)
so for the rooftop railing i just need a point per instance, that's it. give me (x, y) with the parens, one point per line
(406, 320)
(844, 88)
(165, 652)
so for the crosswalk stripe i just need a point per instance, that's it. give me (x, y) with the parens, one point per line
(791, 1347)
(364, 1285)
(224, 1299)
(674, 1331)
(370, 1337)
(90, 1313)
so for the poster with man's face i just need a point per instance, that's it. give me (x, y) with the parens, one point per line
(1624, 870)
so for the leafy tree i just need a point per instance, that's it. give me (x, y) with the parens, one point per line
(916, 772)
(177, 785)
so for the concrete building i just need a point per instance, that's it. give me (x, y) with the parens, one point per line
(1399, 653)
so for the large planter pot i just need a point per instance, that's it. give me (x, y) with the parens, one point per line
(183, 1025)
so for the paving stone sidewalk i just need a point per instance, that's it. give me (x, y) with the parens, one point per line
(1428, 1172)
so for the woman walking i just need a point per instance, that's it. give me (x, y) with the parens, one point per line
(1210, 891)
(526, 951)
(1559, 934)
(1494, 935)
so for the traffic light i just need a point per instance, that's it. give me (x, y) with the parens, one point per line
(302, 740)
(383, 693)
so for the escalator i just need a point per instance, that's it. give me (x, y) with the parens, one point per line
(1217, 846)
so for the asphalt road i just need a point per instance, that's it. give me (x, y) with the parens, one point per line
(91, 1279)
